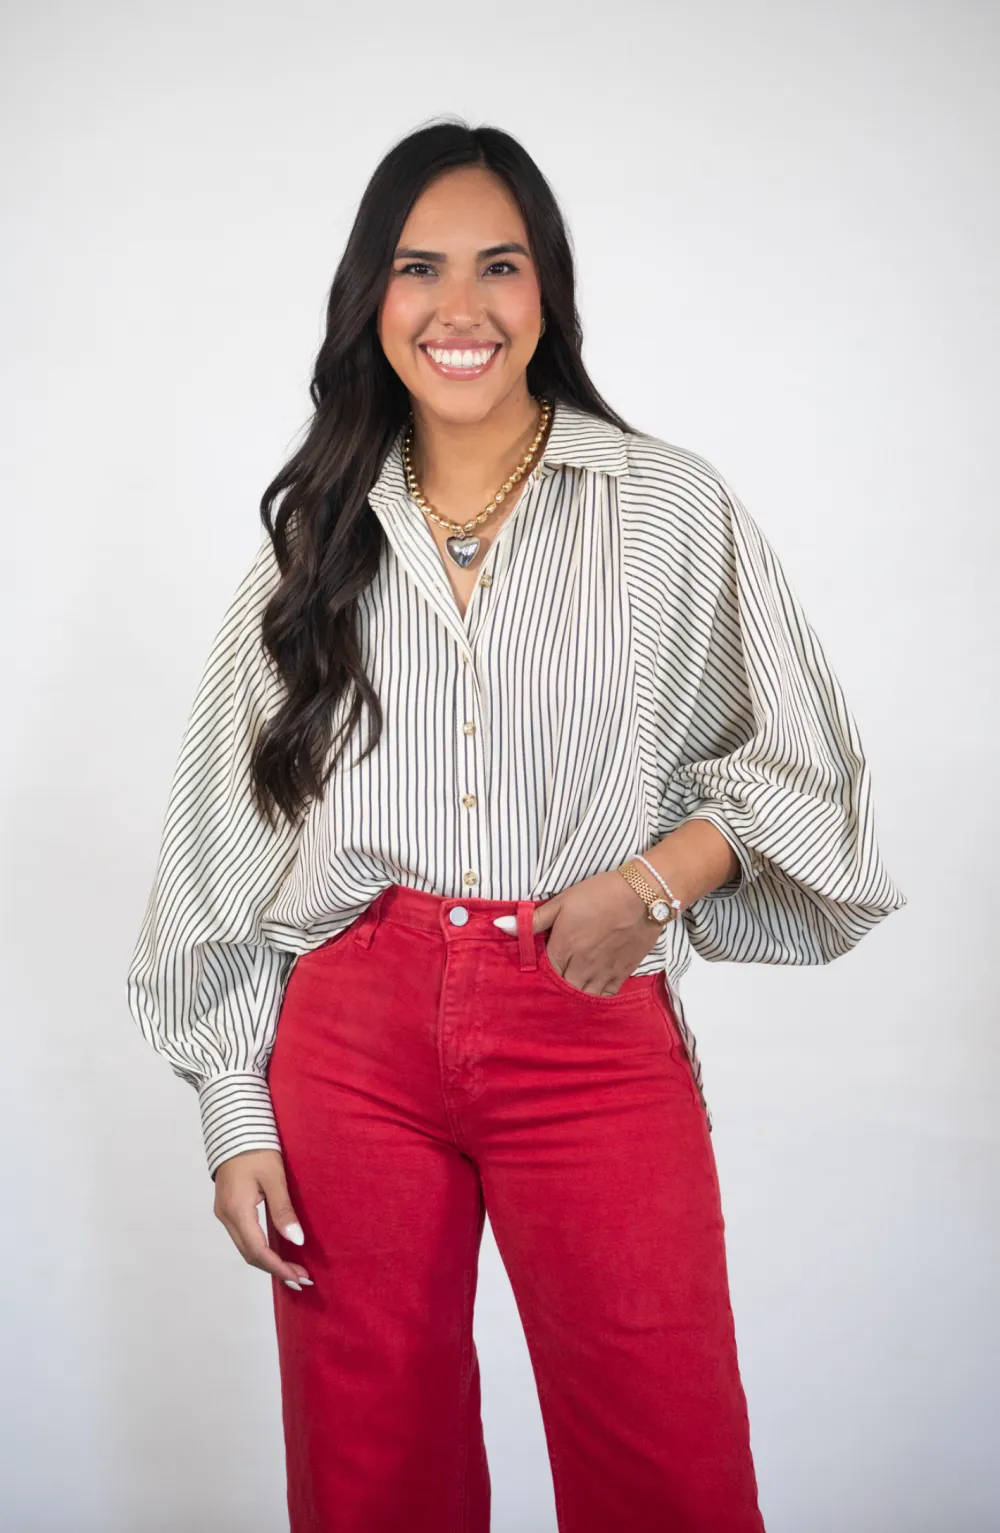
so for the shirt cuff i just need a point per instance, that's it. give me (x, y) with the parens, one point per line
(236, 1115)
(751, 864)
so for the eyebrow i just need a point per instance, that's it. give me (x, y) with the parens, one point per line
(439, 255)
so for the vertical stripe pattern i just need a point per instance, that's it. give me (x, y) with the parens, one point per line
(638, 658)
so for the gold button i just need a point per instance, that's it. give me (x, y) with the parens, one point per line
(469, 728)
(487, 578)
(469, 800)
(470, 878)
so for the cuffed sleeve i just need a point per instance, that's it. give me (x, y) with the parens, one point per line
(774, 759)
(749, 863)
(204, 983)
(236, 1115)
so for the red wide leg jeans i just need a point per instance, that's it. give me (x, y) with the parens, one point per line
(430, 1068)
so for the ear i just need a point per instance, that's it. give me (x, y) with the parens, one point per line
(544, 914)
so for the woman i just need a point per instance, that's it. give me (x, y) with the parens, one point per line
(439, 976)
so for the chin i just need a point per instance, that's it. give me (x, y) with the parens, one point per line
(443, 403)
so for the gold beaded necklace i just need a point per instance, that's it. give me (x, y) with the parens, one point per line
(461, 547)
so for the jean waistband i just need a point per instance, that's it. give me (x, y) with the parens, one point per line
(427, 912)
(457, 919)
(454, 918)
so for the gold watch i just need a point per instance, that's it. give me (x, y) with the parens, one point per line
(658, 909)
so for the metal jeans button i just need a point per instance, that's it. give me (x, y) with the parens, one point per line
(458, 915)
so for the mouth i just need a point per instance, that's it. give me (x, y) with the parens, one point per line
(460, 361)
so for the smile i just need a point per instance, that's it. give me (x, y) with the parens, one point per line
(464, 362)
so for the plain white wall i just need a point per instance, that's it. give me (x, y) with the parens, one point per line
(786, 231)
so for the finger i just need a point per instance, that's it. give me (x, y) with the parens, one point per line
(279, 1205)
(544, 914)
(251, 1242)
(588, 985)
(237, 1210)
(274, 1237)
(282, 1221)
(595, 985)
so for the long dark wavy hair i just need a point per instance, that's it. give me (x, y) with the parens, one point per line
(327, 540)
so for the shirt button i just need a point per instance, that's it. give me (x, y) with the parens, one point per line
(470, 878)
(469, 728)
(487, 578)
(458, 915)
(469, 800)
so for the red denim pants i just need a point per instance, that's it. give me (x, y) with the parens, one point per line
(430, 1068)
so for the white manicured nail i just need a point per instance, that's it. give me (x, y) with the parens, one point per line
(290, 1284)
(308, 1282)
(509, 923)
(294, 1232)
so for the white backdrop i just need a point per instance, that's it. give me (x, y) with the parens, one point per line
(786, 232)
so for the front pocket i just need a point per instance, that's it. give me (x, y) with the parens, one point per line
(329, 949)
(336, 939)
(548, 971)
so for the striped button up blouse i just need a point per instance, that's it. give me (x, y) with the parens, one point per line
(633, 656)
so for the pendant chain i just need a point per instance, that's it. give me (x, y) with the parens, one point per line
(461, 546)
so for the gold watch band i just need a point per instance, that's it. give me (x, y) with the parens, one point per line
(658, 909)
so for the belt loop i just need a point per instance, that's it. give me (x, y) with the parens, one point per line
(368, 922)
(525, 935)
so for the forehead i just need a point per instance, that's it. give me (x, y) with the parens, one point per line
(467, 207)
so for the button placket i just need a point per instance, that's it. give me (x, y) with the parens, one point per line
(470, 830)
(473, 832)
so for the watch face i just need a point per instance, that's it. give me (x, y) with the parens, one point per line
(660, 910)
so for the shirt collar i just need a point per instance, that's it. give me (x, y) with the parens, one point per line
(576, 439)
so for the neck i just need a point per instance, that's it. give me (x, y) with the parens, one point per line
(469, 461)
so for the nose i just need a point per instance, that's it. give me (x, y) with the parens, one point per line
(458, 304)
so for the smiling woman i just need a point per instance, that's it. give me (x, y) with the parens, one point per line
(440, 980)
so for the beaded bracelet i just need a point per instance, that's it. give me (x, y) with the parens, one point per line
(675, 903)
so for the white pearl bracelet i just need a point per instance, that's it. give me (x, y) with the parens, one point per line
(674, 902)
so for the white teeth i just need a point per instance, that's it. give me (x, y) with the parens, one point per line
(461, 358)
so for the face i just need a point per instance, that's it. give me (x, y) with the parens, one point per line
(463, 280)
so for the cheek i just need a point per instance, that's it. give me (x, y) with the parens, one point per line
(401, 319)
(519, 313)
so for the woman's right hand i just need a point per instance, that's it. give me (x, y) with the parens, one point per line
(241, 1184)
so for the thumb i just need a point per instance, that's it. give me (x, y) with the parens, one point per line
(279, 1205)
(544, 914)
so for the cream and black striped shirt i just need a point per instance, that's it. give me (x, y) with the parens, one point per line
(632, 656)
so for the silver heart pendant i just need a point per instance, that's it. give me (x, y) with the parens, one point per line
(463, 550)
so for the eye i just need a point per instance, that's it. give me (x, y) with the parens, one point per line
(421, 266)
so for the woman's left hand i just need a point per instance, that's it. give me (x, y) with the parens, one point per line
(600, 932)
